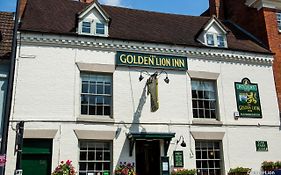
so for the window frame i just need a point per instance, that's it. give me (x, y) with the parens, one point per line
(111, 96)
(217, 117)
(207, 150)
(96, 28)
(215, 39)
(110, 142)
(86, 21)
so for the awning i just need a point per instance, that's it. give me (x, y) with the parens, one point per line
(150, 136)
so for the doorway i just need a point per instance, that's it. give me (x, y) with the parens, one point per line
(37, 156)
(148, 157)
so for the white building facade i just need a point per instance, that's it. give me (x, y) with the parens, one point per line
(79, 104)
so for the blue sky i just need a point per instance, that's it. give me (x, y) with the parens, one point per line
(187, 7)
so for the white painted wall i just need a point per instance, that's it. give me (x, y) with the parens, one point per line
(47, 88)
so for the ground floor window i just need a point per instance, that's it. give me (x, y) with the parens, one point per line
(95, 158)
(208, 157)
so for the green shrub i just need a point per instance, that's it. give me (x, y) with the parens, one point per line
(239, 170)
(268, 165)
(184, 172)
(277, 165)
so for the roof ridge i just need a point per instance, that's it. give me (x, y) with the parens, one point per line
(149, 11)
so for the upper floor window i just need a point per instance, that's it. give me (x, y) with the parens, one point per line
(217, 40)
(210, 39)
(100, 28)
(96, 94)
(204, 99)
(86, 27)
(278, 15)
(221, 41)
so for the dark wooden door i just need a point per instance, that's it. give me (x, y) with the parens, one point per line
(148, 157)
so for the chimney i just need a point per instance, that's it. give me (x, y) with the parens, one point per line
(87, 1)
(216, 8)
(22, 7)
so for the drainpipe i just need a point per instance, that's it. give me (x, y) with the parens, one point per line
(8, 100)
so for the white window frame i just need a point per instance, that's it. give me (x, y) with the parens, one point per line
(278, 19)
(90, 27)
(94, 151)
(96, 28)
(93, 28)
(205, 155)
(197, 106)
(215, 38)
(89, 94)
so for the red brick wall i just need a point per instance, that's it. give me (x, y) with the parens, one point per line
(260, 23)
(274, 39)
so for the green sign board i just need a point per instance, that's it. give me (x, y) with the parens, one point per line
(261, 146)
(248, 100)
(151, 60)
(178, 159)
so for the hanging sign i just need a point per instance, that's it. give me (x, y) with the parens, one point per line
(178, 159)
(261, 146)
(248, 100)
(151, 60)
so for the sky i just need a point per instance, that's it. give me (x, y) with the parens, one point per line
(186, 7)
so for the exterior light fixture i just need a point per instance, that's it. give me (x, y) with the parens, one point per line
(183, 144)
(155, 74)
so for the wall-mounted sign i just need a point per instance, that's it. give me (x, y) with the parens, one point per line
(248, 100)
(178, 159)
(261, 146)
(151, 60)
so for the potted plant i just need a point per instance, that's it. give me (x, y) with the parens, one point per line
(125, 169)
(64, 168)
(184, 172)
(239, 171)
(268, 166)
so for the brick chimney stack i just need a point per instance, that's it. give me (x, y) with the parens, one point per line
(216, 8)
(87, 1)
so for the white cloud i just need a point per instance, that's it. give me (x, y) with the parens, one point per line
(112, 2)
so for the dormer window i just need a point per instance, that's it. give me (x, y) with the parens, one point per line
(86, 27)
(100, 28)
(93, 20)
(213, 34)
(215, 40)
(210, 39)
(221, 40)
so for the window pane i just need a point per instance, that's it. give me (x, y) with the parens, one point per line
(210, 39)
(220, 39)
(98, 156)
(96, 94)
(207, 164)
(100, 28)
(203, 99)
(86, 27)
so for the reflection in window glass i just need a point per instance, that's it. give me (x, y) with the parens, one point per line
(203, 99)
(96, 94)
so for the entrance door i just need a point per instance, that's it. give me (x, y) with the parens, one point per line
(37, 156)
(148, 157)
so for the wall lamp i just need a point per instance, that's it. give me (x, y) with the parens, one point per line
(167, 80)
(183, 144)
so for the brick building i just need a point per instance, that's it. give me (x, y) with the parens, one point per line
(262, 19)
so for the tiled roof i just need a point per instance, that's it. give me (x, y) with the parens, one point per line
(6, 32)
(60, 17)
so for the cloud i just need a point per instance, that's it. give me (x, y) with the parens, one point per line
(112, 2)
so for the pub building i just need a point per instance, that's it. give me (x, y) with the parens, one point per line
(99, 85)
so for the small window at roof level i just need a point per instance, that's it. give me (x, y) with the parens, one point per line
(100, 28)
(210, 39)
(86, 27)
(221, 42)
(278, 16)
